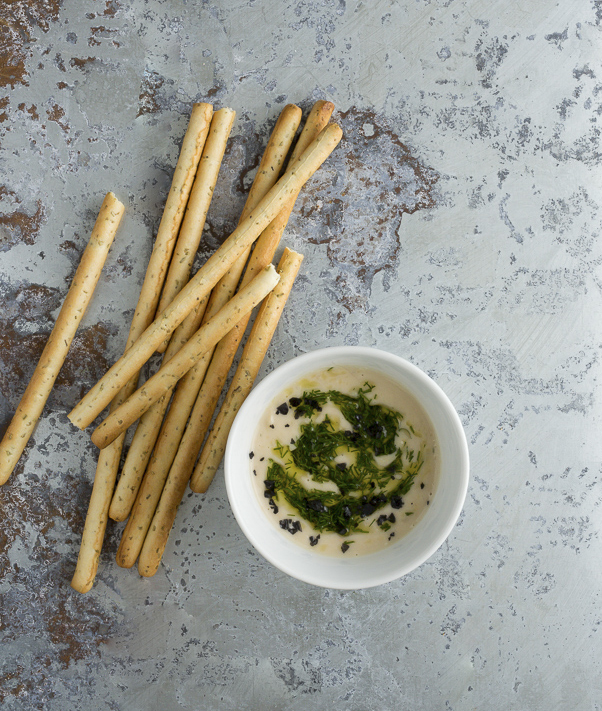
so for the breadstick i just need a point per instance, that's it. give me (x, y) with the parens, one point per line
(184, 172)
(158, 467)
(108, 461)
(186, 246)
(250, 362)
(146, 434)
(207, 276)
(156, 472)
(252, 357)
(225, 351)
(149, 426)
(173, 212)
(268, 243)
(151, 487)
(96, 519)
(183, 177)
(53, 356)
(191, 231)
(165, 379)
(269, 169)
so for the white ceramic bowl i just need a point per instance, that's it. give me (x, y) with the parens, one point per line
(374, 568)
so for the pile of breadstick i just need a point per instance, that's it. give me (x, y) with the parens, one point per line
(196, 321)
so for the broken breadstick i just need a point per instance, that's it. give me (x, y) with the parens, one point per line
(53, 356)
(225, 351)
(252, 357)
(248, 368)
(207, 276)
(165, 379)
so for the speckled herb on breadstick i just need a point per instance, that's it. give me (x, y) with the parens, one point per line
(252, 357)
(53, 356)
(108, 460)
(187, 243)
(208, 275)
(150, 423)
(147, 431)
(173, 213)
(165, 379)
(95, 525)
(184, 172)
(191, 230)
(246, 372)
(225, 351)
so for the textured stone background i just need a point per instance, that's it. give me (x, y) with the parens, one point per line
(457, 225)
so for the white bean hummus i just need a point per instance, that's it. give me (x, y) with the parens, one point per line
(345, 461)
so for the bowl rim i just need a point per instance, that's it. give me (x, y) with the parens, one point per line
(286, 555)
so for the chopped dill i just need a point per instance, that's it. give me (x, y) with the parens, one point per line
(357, 487)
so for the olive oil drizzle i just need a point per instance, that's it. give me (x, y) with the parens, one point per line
(363, 486)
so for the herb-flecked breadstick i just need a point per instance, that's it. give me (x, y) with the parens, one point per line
(187, 243)
(156, 472)
(165, 379)
(95, 525)
(53, 356)
(267, 174)
(266, 246)
(147, 431)
(225, 351)
(246, 372)
(108, 460)
(207, 276)
(150, 423)
(191, 230)
(252, 357)
(173, 212)
(187, 389)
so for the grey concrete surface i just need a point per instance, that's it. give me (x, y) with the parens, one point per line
(457, 225)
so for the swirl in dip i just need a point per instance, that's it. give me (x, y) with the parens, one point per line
(345, 461)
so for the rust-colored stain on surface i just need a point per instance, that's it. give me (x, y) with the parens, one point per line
(54, 625)
(42, 508)
(18, 19)
(25, 324)
(19, 225)
(57, 114)
(147, 100)
(3, 105)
